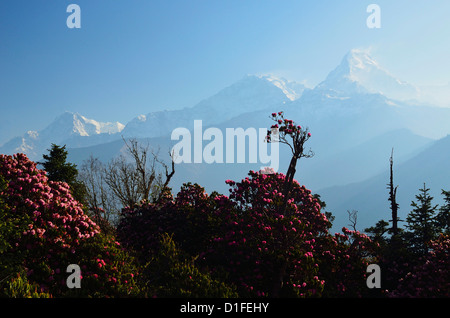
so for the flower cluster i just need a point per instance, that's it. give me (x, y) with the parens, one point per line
(251, 239)
(268, 250)
(286, 127)
(54, 230)
(186, 216)
(277, 250)
(431, 276)
(56, 220)
(343, 261)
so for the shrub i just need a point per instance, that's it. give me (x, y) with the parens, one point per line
(254, 239)
(46, 230)
(19, 287)
(187, 217)
(431, 276)
(173, 274)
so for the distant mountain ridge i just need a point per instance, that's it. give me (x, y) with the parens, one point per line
(251, 93)
(358, 72)
(358, 81)
(248, 94)
(370, 197)
(356, 116)
(63, 129)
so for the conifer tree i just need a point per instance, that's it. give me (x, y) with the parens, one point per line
(58, 169)
(443, 217)
(421, 222)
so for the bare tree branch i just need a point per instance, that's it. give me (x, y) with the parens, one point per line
(353, 218)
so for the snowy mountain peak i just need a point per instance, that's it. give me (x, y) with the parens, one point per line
(249, 94)
(65, 129)
(291, 89)
(358, 72)
(75, 124)
(359, 61)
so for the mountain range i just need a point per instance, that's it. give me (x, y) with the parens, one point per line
(357, 115)
(69, 128)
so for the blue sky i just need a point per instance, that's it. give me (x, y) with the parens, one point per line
(132, 57)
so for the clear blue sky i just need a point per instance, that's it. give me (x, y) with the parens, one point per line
(131, 57)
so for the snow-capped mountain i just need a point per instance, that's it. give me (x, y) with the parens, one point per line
(251, 93)
(356, 116)
(65, 129)
(360, 73)
(73, 124)
(357, 102)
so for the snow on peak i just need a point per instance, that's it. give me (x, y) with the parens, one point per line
(291, 89)
(67, 128)
(75, 124)
(358, 72)
(93, 127)
(32, 134)
(249, 94)
(359, 61)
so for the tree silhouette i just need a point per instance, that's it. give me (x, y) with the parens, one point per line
(443, 217)
(58, 169)
(421, 222)
(288, 129)
(392, 197)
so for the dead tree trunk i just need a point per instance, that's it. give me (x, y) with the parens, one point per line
(392, 197)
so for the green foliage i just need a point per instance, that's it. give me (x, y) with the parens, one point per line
(58, 169)
(378, 231)
(245, 241)
(43, 230)
(19, 287)
(107, 270)
(172, 274)
(256, 242)
(421, 222)
(430, 276)
(11, 228)
(411, 259)
(443, 216)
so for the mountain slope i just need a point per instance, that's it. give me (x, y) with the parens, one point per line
(369, 197)
(354, 120)
(360, 73)
(352, 136)
(249, 94)
(362, 161)
(67, 128)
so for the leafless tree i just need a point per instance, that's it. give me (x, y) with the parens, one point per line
(146, 179)
(126, 180)
(353, 218)
(392, 196)
(102, 202)
(123, 180)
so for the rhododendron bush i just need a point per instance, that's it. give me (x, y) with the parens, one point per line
(245, 240)
(50, 231)
(268, 237)
(431, 276)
